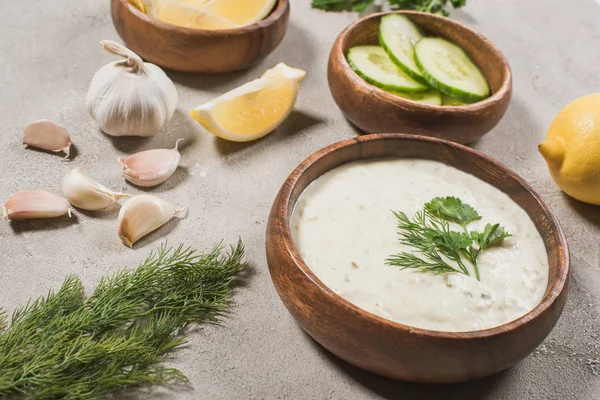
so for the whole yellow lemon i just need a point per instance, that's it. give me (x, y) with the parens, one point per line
(572, 149)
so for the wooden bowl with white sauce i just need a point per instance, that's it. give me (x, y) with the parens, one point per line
(395, 349)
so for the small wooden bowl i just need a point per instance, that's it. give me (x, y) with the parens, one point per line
(196, 50)
(374, 110)
(393, 349)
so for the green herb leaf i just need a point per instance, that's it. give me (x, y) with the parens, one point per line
(435, 264)
(430, 6)
(342, 5)
(492, 235)
(458, 3)
(452, 209)
(442, 249)
(3, 320)
(459, 240)
(65, 345)
(433, 238)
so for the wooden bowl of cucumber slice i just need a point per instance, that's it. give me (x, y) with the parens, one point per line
(419, 73)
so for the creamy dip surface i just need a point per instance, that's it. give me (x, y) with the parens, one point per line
(344, 229)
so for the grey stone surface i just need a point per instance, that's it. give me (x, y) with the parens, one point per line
(48, 53)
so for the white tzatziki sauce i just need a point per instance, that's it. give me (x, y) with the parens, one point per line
(344, 229)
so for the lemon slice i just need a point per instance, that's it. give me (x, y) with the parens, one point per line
(254, 109)
(181, 14)
(249, 13)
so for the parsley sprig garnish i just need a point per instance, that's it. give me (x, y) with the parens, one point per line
(430, 6)
(442, 250)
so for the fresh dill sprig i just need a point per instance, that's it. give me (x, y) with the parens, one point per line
(430, 6)
(65, 345)
(441, 248)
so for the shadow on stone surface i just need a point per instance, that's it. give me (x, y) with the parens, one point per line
(45, 224)
(181, 126)
(295, 124)
(73, 152)
(206, 81)
(108, 213)
(463, 16)
(302, 57)
(588, 211)
(399, 390)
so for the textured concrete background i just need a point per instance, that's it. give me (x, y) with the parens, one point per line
(48, 54)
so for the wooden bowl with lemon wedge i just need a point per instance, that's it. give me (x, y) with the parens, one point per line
(199, 50)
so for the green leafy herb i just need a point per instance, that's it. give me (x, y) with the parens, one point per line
(433, 237)
(491, 235)
(452, 209)
(430, 6)
(342, 5)
(65, 345)
(442, 249)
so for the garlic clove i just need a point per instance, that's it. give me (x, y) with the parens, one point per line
(31, 204)
(143, 214)
(85, 193)
(47, 135)
(130, 97)
(151, 167)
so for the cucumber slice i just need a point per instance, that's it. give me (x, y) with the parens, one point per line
(449, 69)
(398, 36)
(430, 97)
(374, 66)
(451, 101)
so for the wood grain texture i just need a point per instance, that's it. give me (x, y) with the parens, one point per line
(393, 349)
(196, 50)
(374, 110)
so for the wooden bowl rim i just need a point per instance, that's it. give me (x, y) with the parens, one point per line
(276, 13)
(502, 91)
(553, 290)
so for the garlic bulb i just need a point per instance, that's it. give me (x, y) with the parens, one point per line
(31, 204)
(47, 135)
(143, 214)
(130, 97)
(151, 167)
(85, 193)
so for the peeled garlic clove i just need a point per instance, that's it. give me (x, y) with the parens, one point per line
(47, 135)
(143, 214)
(85, 193)
(31, 204)
(130, 97)
(151, 167)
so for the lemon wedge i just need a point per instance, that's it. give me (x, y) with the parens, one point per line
(249, 13)
(183, 13)
(139, 4)
(254, 109)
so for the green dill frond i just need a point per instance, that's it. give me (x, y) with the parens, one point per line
(64, 345)
(3, 320)
(408, 260)
(442, 249)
